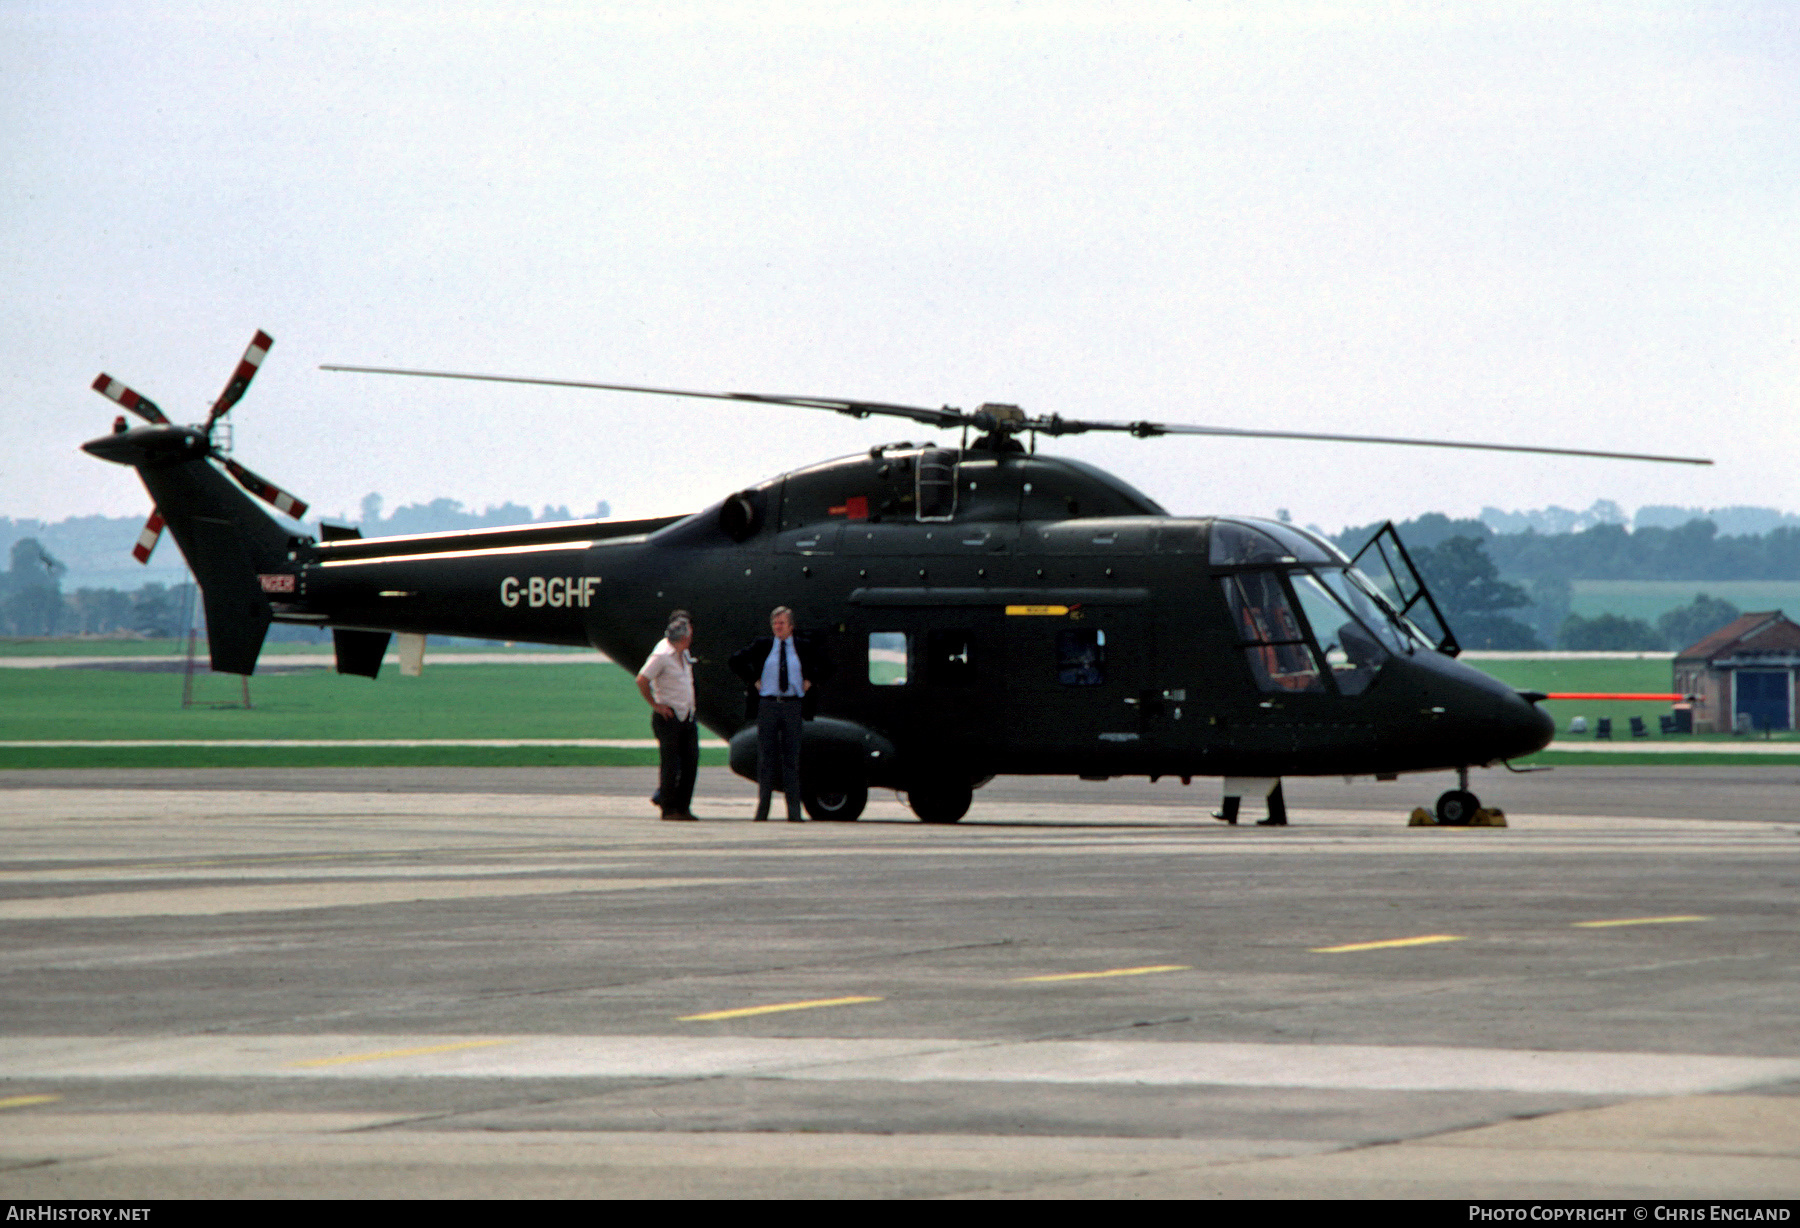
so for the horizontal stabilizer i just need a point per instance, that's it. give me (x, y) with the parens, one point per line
(360, 652)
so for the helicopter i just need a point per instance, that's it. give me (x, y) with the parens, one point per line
(991, 609)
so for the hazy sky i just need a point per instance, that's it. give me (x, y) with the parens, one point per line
(1564, 224)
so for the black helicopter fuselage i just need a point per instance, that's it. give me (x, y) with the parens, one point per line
(1041, 618)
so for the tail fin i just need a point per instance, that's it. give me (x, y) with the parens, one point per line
(229, 543)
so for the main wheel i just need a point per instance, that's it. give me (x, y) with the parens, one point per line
(835, 800)
(1457, 808)
(940, 801)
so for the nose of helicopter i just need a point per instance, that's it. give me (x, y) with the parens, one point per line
(1482, 719)
(1508, 723)
(1531, 726)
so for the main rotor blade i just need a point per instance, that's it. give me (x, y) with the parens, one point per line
(143, 407)
(239, 383)
(1051, 424)
(1144, 430)
(945, 417)
(265, 490)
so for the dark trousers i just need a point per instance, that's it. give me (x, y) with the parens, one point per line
(778, 753)
(679, 742)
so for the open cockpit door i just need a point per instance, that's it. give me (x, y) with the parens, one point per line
(1392, 570)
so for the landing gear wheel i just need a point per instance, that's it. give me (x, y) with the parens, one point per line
(940, 801)
(1457, 808)
(839, 801)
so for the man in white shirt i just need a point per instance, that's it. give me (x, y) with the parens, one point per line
(667, 684)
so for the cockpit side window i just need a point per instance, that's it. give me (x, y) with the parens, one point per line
(1353, 651)
(1273, 640)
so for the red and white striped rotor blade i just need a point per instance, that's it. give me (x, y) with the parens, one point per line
(143, 407)
(266, 490)
(148, 537)
(240, 379)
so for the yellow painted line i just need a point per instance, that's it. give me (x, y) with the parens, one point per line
(385, 1053)
(746, 1011)
(20, 1102)
(1029, 611)
(1091, 976)
(1422, 940)
(1606, 925)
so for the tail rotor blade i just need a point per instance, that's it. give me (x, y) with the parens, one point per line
(148, 537)
(265, 490)
(143, 407)
(240, 378)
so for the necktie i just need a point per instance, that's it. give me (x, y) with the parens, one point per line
(781, 682)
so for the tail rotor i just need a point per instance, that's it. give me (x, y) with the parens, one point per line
(150, 412)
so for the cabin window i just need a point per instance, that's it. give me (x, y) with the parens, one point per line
(887, 658)
(1081, 657)
(1273, 640)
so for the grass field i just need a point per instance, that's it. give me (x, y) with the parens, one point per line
(515, 701)
(451, 701)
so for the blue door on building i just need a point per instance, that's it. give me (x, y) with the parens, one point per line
(1763, 695)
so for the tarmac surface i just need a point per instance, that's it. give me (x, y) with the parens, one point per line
(469, 983)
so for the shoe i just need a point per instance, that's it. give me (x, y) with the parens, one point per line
(761, 818)
(794, 818)
(676, 814)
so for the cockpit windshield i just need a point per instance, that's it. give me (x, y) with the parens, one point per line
(1306, 613)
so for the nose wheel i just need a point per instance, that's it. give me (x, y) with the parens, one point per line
(1457, 808)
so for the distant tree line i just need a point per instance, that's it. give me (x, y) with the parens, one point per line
(1692, 551)
(1463, 561)
(1739, 520)
(447, 515)
(32, 602)
(33, 605)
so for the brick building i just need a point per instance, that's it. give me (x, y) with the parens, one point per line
(1748, 667)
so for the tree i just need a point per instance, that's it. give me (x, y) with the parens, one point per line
(33, 602)
(1470, 592)
(100, 610)
(37, 610)
(156, 612)
(1689, 624)
(1550, 599)
(1607, 633)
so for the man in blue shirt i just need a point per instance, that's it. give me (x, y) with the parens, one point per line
(779, 679)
